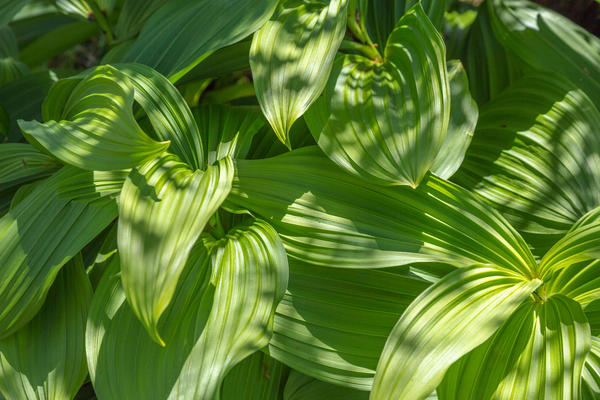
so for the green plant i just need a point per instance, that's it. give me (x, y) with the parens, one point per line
(242, 199)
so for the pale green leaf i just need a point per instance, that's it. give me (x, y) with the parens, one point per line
(590, 378)
(221, 312)
(163, 209)
(97, 129)
(537, 354)
(328, 217)
(46, 229)
(302, 387)
(45, 360)
(257, 377)
(291, 58)
(332, 323)
(548, 41)
(182, 32)
(535, 157)
(386, 121)
(463, 118)
(448, 320)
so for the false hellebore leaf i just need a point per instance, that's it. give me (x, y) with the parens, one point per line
(221, 312)
(45, 360)
(386, 120)
(96, 129)
(163, 209)
(448, 320)
(291, 58)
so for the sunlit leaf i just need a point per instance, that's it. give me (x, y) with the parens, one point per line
(590, 378)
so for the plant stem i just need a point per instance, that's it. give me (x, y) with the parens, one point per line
(102, 21)
(366, 50)
(361, 34)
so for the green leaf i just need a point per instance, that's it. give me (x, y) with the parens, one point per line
(45, 360)
(448, 320)
(328, 217)
(579, 281)
(97, 129)
(221, 313)
(46, 229)
(546, 40)
(379, 17)
(581, 243)
(490, 67)
(387, 121)
(538, 353)
(163, 209)
(534, 157)
(8, 43)
(257, 377)
(29, 28)
(133, 15)
(227, 131)
(11, 69)
(291, 59)
(303, 387)
(56, 42)
(332, 323)
(21, 163)
(463, 118)
(590, 378)
(10, 8)
(182, 33)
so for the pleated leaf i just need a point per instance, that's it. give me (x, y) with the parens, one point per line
(163, 209)
(386, 121)
(221, 313)
(447, 321)
(45, 360)
(302, 387)
(133, 15)
(535, 157)
(182, 33)
(590, 378)
(46, 229)
(291, 58)
(97, 129)
(546, 40)
(581, 243)
(328, 217)
(21, 163)
(257, 377)
(579, 281)
(539, 353)
(332, 323)
(463, 118)
(227, 131)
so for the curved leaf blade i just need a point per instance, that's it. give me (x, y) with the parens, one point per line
(163, 209)
(448, 320)
(302, 387)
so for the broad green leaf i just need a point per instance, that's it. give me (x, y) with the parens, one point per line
(22, 99)
(303, 387)
(537, 354)
(386, 121)
(97, 129)
(448, 320)
(257, 377)
(221, 313)
(579, 281)
(11, 69)
(332, 323)
(227, 131)
(163, 209)
(463, 118)
(45, 360)
(590, 378)
(29, 28)
(8, 43)
(548, 41)
(46, 229)
(56, 42)
(291, 59)
(535, 157)
(490, 67)
(133, 15)
(328, 217)
(9, 8)
(581, 243)
(457, 25)
(21, 163)
(182, 32)
(379, 17)
(74, 7)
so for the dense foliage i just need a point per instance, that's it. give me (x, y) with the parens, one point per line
(298, 200)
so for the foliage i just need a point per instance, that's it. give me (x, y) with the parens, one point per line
(298, 199)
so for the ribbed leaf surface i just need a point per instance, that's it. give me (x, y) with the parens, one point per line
(302, 387)
(45, 360)
(163, 209)
(291, 58)
(590, 378)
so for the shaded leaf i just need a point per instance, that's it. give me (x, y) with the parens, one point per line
(302, 387)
